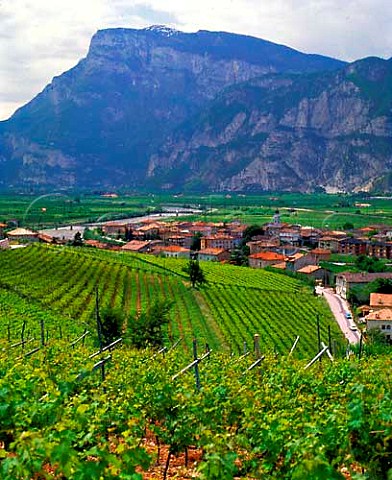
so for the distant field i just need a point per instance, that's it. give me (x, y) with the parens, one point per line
(58, 284)
(318, 210)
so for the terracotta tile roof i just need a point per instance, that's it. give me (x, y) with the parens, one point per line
(135, 245)
(281, 265)
(268, 256)
(296, 256)
(211, 251)
(22, 231)
(384, 314)
(172, 248)
(320, 251)
(309, 269)
(381, 300)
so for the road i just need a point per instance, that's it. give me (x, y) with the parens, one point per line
(338, 307)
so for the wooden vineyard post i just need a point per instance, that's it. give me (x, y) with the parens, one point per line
(245, 348)
(22, 334)
(257, 346)
(99, 323)
(196, 367)
(360, 346)
(318, 336)
(42, 324)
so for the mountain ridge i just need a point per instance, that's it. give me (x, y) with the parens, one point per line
(112, 119)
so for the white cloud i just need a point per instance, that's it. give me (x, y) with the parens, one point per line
(42, 38)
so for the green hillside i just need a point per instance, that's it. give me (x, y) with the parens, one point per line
(60, 284)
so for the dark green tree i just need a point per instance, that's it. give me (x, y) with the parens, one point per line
(196, 242)
(380, 285)
(369, 264)
(250, 232)
(147, 328)
(239, 256)
(196, 275)
(112, 320)
(348, 226)
(77, 240)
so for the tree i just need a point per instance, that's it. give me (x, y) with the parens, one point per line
(369, 264)
(239, 256)
(196, 275)
(77, 240)
(146, 329)
(348, 226)
(196, 242)
(381, 285)
(112, 320)
(250, 232)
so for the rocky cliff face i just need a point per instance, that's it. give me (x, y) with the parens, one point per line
(286, 132)
(165, 109)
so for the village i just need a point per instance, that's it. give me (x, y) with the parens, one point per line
(288, 248)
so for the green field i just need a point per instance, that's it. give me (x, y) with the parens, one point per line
(59, 284)
(318, 210)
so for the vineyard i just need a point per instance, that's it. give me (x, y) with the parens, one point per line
(279, 421)
(68, 411)
(59, 285)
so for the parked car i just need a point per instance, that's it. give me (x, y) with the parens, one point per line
(348, 315)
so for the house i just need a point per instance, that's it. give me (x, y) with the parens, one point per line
(347, 280)
(226, 242)
(115, 228)
(380, 249)
(148, 231)
(172, 251)
(381, 320)
(380, 300)
(137, 246)
(265, 259)
(328, 242)
(352, 246)
(213, 255)
(22, 235)
(262, 245)
(291, 235)
(4, 244)
(182, 240)
(318, 255)
(314, 272)
(2, 227)
(297, 261)
(310, 236)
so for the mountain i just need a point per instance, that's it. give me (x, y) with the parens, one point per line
(288, 132)
(159, 108)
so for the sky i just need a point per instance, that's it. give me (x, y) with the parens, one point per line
(40, 39)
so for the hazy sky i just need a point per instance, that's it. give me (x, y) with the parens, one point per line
(42, 38)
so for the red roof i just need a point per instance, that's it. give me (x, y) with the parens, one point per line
(320, 251)
(211, 251)
(268, 256)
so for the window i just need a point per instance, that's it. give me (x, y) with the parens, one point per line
(388, 327)
(382, 327)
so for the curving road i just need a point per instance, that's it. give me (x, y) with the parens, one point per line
(338, 307)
